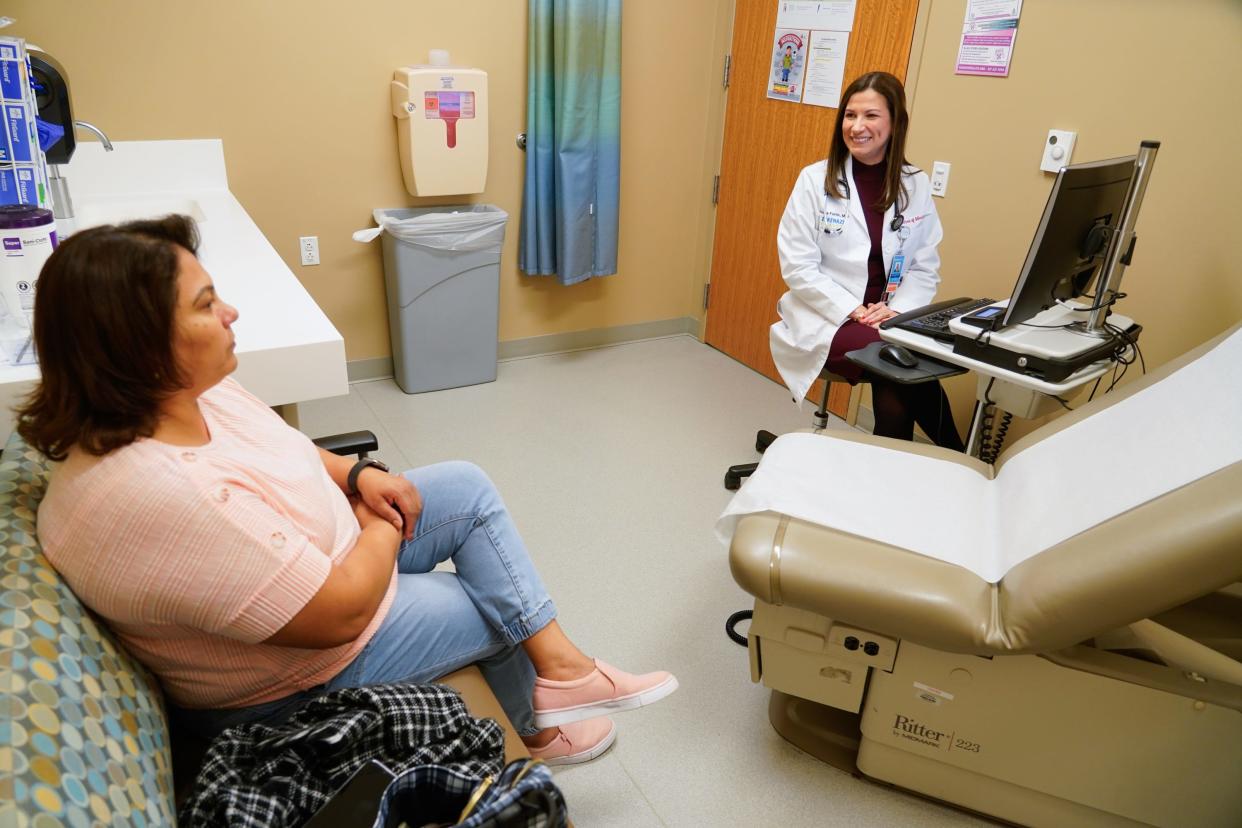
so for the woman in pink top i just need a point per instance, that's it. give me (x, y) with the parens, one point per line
(248, 569)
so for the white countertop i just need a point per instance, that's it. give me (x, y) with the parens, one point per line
(287, 349)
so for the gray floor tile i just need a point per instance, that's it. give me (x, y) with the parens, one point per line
(601, 794)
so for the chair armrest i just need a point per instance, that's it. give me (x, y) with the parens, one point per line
(354, 442)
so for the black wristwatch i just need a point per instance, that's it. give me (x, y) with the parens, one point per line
(351, 482)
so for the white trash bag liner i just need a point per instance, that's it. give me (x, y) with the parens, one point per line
(480, 227)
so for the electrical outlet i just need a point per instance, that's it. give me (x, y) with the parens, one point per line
(940, 178)
(309, 245)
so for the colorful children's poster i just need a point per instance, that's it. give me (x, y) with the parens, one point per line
(788, 64)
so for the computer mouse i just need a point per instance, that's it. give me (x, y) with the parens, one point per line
(897, 355)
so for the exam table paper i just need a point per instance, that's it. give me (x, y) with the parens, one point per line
(1168, 435)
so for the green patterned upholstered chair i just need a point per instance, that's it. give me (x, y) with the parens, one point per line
(83, 737)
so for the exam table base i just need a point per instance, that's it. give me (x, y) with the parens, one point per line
(831, 736)
(1021, 738)
(828, 734)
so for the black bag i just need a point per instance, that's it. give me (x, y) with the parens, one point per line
(522, 796)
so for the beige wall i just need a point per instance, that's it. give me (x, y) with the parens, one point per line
(299, 93)
(1116, 71)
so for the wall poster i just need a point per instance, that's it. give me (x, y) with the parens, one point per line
(808, 51)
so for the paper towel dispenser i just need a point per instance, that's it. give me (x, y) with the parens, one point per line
(441, 113)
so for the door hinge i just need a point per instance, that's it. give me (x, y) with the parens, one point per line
(728, 68)
(716, 190)
(707, 295)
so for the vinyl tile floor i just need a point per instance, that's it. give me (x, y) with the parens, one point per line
(611, 461)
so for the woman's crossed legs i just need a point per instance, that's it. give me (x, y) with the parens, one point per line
(494, 611)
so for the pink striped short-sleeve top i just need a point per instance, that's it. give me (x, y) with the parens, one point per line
(196, 555)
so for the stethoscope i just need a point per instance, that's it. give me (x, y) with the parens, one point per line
(897, 225)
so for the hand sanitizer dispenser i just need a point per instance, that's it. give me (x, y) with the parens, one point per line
(441, 113)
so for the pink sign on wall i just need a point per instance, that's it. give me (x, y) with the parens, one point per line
(988, 34)
(986, 53)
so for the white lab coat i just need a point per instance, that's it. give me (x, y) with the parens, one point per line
(827, 274)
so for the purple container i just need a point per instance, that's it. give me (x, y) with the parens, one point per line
(13, 216)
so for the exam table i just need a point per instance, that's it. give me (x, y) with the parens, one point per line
(1097, 681)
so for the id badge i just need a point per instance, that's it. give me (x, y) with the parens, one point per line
(832, 224)
(894, 276)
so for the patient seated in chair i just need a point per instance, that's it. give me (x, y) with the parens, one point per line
(249, 570)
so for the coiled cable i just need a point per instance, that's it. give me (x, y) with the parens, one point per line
(740, 615)
(992, 449)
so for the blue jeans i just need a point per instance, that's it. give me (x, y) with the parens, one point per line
(442, 621)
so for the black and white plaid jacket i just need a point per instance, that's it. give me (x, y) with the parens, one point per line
(260, 776)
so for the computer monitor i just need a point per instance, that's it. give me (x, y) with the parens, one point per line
(1070, 243)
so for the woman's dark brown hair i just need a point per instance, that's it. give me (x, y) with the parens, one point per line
(895, 157)
(103, 330)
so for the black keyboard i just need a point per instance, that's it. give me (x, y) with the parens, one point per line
(933, 320)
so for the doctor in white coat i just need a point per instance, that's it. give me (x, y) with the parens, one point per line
(857, 245)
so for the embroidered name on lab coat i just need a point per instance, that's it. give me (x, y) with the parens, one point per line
(832, 224)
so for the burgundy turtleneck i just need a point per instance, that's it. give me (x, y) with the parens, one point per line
(869, 181)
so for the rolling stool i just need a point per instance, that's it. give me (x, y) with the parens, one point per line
(763, 438)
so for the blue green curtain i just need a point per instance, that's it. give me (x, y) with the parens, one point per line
(573, 140)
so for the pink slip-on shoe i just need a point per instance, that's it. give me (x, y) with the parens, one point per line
(605, 690)
(578, 742)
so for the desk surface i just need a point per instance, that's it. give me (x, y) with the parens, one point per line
(287, 349)
(944, 351)
(926, 370)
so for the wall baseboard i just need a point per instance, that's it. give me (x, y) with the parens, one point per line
(363, 370)
(596, 338)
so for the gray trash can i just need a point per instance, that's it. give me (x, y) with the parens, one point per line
(442, 271)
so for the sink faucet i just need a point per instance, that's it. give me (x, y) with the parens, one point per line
(103, 139)
(62, 203)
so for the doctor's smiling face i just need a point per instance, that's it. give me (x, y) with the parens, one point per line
(867, 126)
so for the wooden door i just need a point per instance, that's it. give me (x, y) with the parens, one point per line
(766, 144)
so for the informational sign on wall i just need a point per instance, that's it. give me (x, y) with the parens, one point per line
(808, 51)
(826, 68)
(829, 15)
(988, 34)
